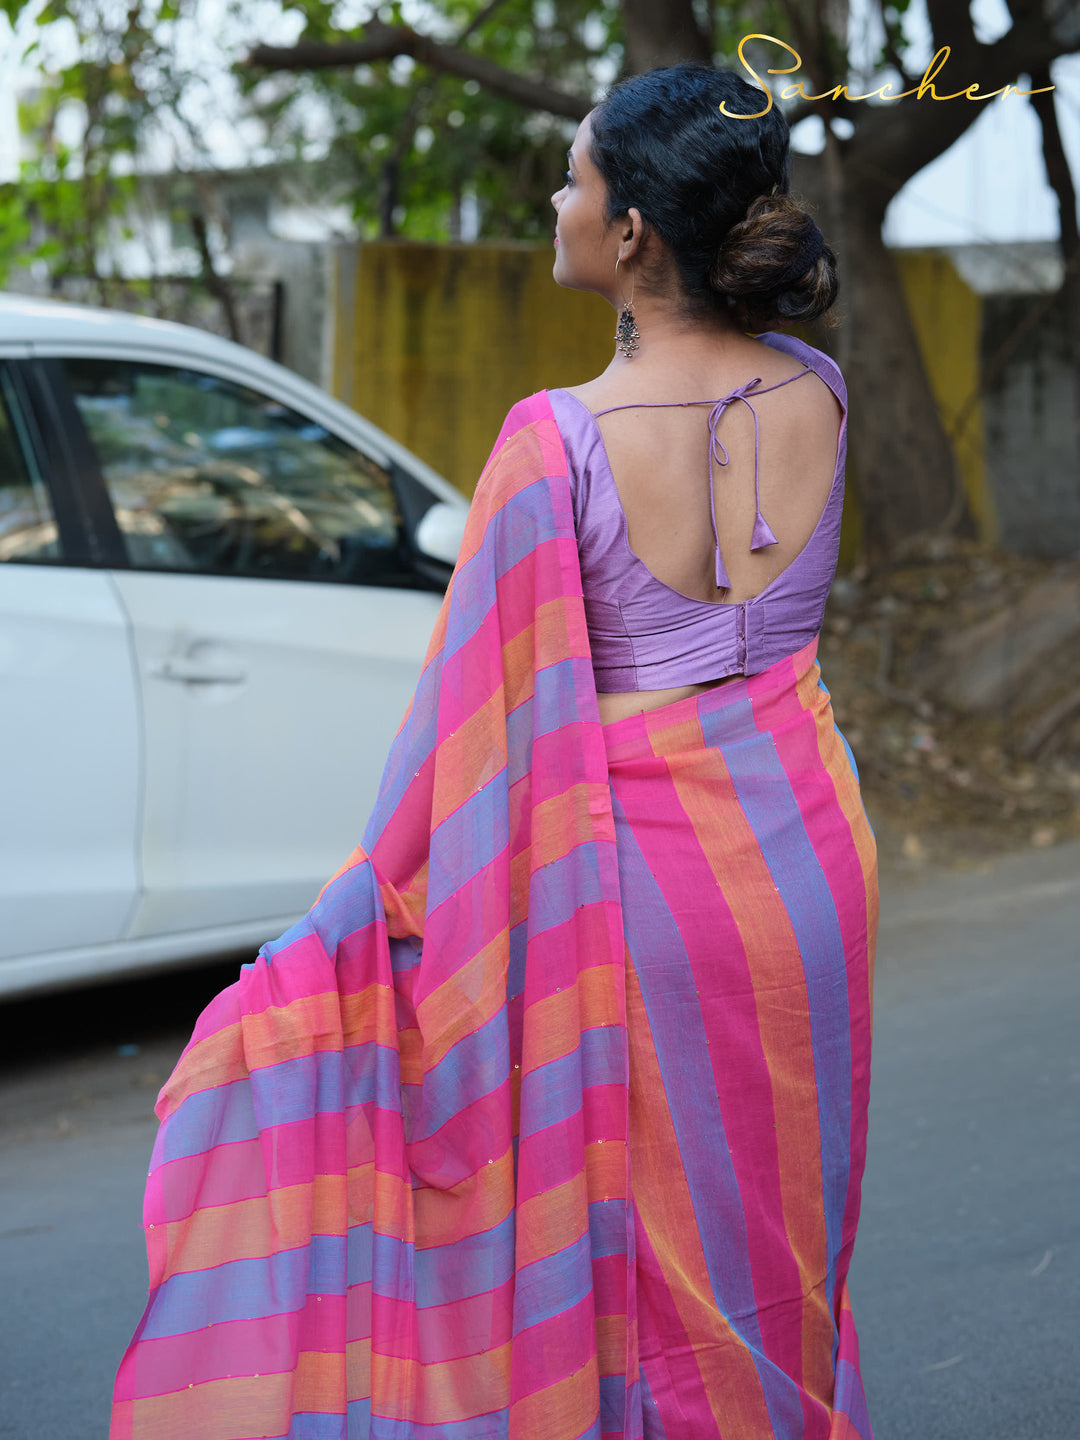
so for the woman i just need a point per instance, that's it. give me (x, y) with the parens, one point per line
(548, 1119)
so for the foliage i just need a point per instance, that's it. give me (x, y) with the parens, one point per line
(86, 125)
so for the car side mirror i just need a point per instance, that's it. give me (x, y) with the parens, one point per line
(439, 533)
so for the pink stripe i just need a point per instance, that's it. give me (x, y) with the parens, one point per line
(288, 1150)
(175, 1189)
(358, 1312)
(476, 1136)
(546, 1353)
(610, 1276)
(670, 1366)
(604, 1113)
(550, 1157)
(277, 984)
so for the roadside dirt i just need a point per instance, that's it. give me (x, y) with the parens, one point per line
(944, 786)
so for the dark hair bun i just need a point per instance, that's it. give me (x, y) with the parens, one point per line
(775, 265)
(711, 182)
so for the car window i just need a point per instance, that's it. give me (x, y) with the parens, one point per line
(205, 474)
(27, 523)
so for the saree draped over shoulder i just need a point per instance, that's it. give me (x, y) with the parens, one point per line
(547, 1122)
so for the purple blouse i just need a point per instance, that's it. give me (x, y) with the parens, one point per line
(645, 635)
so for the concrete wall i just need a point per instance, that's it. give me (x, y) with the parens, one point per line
(1032, 426)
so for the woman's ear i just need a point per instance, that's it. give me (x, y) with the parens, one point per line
(633, 233)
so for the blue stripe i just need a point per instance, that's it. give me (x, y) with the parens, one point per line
(478, 1064)
(358, 1256)
(513, 534)
(468, 840)
(359, 1422)
(471, 1266)
(351, 903)
(493, 1426)
(552, 1092)
(850, 1398)
(554, 705)
(552, 1285)
(652, 1425)
(558, 889)
(609, 1225)
(295, 1090)
(519, 950)
(247, 1289)
(763, 788)
(220, 1116)
(392, 1267)
(374, 1076)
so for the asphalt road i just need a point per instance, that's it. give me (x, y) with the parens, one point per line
(966, 1279)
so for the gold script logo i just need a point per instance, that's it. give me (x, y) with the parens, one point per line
(797, 91)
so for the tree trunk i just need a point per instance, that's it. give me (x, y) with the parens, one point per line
(900, 456)
(1059, 176)
(662, 32)
(902, 459)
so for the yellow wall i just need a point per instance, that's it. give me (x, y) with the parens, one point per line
(434, 343)
(946, 313)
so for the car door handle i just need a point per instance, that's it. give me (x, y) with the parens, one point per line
(193, 672)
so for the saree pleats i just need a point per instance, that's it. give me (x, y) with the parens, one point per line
(748, 907)
(547, 1121)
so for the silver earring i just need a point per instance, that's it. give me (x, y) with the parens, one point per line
(626, 331)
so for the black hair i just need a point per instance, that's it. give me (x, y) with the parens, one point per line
(714, 188)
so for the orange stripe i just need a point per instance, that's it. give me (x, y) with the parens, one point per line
(248, 1229)
(473, 1206)
(548, 1222)
(554, 1024)
(465, 1000)
(358, 1369)
(219, 1409)
(611, 1344)
(393, 1206)
(474, 754)
(562, 1411)
(217, 1060)
(320, 1383)
(605, 1170)
(441, 1393)
(662, 1198)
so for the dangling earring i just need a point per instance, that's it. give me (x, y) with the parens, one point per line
(626, 331)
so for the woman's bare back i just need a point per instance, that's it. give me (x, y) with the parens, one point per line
(660, 463)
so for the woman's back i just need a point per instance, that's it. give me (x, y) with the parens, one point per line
(659, 459)
(680, 595)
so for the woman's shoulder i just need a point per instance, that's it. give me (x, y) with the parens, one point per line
(824, 365)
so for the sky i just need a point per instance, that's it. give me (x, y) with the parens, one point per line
(990, 186)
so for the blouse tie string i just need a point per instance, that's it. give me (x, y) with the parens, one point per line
(762, 535)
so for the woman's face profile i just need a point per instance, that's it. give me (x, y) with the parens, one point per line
(586, 244)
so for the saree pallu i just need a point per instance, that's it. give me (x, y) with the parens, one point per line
(547, 1121)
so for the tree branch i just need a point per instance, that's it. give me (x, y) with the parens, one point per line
(1057, 162)
(383, 42)
(893, 142)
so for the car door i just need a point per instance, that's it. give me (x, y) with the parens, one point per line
(279, 625)
(69, 716)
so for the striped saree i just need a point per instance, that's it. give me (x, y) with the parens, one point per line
(547, 1121)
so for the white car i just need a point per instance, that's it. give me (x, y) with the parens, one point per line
(217, 586)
